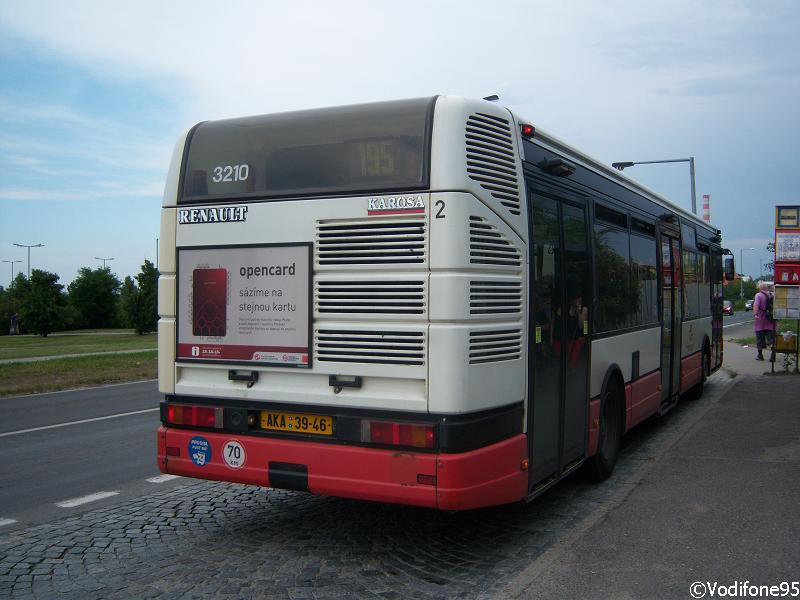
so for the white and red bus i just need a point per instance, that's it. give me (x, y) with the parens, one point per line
(426, 301)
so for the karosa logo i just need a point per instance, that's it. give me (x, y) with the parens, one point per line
(396, 204)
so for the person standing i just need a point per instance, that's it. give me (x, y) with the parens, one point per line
(762, 320)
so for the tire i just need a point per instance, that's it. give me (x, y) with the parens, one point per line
(697, 391)
(609, 439)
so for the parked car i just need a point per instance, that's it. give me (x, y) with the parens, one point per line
(727, 307)
(748, 305)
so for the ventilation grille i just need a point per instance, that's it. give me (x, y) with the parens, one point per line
(490, 158)
(371, 297)
(488, 246)
(494, 346)
(371, 243)
(371, 347)
(495, 297)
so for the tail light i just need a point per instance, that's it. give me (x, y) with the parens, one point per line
(389, 433)
(197, 416)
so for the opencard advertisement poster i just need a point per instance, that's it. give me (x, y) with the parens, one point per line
(245, 304)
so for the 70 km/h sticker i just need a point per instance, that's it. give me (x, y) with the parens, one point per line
(234, 454)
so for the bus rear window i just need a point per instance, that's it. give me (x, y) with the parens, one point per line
(363, 148)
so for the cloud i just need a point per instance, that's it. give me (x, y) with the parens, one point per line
(718, 80)
(103, 190)
(40, 128)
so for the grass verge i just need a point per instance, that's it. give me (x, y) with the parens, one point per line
(783, 325)
(67, 373)
(25, 346)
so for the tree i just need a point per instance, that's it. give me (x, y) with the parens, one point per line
(770, 265)
(127, 302)
(140, 302)
(41, 310)
(731, 291)
(5, 311)
(11, 301)
(94, 294)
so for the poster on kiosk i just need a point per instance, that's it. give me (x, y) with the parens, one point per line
(245, 305)
(787, 262)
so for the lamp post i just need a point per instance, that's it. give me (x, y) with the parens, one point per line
(622, 165)
(104, 259)
(29, 246)
(12, 267)
(741, 267)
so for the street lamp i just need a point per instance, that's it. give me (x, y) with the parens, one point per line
(29, 246)
(622, 165)
(741, 268)
(104, 260)
(12, 267)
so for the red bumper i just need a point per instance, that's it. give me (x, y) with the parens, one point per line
(485, 477)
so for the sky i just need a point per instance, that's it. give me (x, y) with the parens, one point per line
(93, 96)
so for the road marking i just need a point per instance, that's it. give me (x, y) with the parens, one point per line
(737, 324)
(163, 478)
(85, 499)
(4, 522)
(126, 414)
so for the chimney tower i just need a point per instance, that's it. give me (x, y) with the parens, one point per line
(707, 208)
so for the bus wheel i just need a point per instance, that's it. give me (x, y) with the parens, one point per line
(601, 465)
(697, 391)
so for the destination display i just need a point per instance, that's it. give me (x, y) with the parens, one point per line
(369, 147)
(245, 305)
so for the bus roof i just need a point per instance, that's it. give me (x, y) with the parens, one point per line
(553, 143)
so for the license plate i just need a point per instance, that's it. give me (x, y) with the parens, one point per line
(296, 423)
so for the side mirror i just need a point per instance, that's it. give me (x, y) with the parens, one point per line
(730, 272)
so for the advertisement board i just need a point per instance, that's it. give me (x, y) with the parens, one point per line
(245, 305)
(787, 273)
(787, 302)
(787, 245)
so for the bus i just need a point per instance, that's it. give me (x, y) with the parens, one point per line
(429, 302)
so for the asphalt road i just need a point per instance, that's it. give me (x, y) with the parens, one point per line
(67, 445)
(737, 325)
(705, 493)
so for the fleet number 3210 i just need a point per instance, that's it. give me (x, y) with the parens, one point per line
(230, 173)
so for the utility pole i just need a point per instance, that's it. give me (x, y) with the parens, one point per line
(29, 246)
(619, 166)
(741, 268)
(104, 260)
(12, 268)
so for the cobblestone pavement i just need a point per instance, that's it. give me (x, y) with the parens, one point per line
(213, 540)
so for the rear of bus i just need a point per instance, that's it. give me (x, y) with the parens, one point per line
(342, 304)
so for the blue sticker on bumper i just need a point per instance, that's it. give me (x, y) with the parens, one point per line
(200, 451)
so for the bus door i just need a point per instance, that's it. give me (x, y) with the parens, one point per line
(671, 311)
(561, 297)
